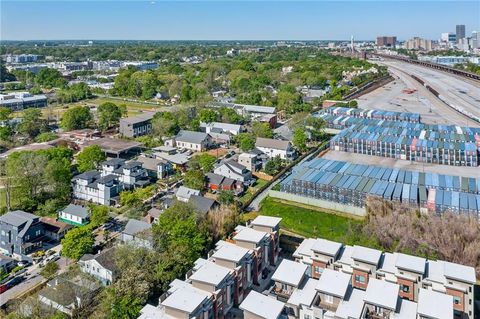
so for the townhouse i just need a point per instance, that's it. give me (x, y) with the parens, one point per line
(288, 276)
(251, 161)
(259, 306)
(130, 174)
(183, 300)
(410, 273)
(90, 186)
(156, 168)
(270, 225)
(239, 260)
(217, 280)
(259, 243)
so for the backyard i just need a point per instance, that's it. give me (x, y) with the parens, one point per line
(313, 222)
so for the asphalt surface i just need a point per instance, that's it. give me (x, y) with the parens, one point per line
(392, 96)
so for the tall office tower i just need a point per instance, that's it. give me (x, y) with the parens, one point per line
(460, 31)
(384, 41)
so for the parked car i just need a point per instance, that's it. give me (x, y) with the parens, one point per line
(15, 281)
(3, 288)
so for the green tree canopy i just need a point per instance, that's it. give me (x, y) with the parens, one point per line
(32, 123)
(109, 115)
(300, 139)
(246, 141)
(49, 78)
(260, 129)
(77, 117)
(90, 158)
(77, 242)
(194, 179)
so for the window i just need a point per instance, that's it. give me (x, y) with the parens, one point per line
(360, 279)
(318, 270)
(456, 300)
(405, 288)
(328, 299)
(307, 317)
(284, 286)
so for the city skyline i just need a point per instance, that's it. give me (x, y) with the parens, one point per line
(233, 20)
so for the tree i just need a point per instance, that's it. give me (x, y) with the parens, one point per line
(90, 158)
(226, 197)
(246, 141)
(50, 270)
(32, 123)
(73, 93)
(165, 124)
(205, 161)
(5, 76)
(260, 129)
(98, 215)
(45, 137)
(180, 239)
(208, 115)
(77, 242)
(300, 139)
(194, 179)
(77, 117)
(109, 115)
(48, 77)
(5, 113)
(274, 166)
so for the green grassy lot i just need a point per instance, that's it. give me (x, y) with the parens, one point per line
(313, 222)
(251, 190)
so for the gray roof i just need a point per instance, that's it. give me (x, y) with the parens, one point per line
(272, 143)
(134, 227)
(411, 263)
(88, 175)
(267, 221)
(382, 293)
(290, 273)
(368, 255)
(76, 210)
(209, 272)
(185, 192)
(105, 258)
(304, 296)
(201, 204)
(154, 212)
(114, 162)
(434, 304)
(406, 309)
(185, 297)
(249, 235)
(138, 118)
(17, 218)
(151, 163)
(262, 306)
(334, 283)
(460, 272)
(230, 252)
(351, 307)
(191, 137)
(327, 247)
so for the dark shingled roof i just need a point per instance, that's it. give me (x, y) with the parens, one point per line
(201, 204)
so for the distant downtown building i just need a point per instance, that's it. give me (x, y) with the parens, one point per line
(460, 32)
(419, 44)
(386, 41)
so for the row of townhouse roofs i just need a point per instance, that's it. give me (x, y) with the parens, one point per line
(327, 280)
(21, 100)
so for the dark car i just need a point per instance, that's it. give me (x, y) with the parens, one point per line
(15, 281)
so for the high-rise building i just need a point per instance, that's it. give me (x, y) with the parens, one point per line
(460, 31)
(476, 40)
(386, 41)
(448, 37)
(419, 44)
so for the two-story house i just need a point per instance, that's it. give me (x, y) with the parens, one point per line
(21, 233)
(332, 288)
(217, 280)
(156, 168)
(235, 171)
(324, 254)
(101, 266)
(381, 299)
(434, 305)
(239, 260)
(251, 161)
(194, 141)
(184, 193)
(76, 215)
(138, 233)
(273, 148)
(218, 183)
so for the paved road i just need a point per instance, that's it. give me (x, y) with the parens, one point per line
(462, 93)
(392, 97)
(34, 278)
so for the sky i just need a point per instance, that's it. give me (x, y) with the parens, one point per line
(233, 20)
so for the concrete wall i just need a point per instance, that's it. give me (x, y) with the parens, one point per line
(357, 211)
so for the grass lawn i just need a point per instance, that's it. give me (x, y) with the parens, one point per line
(312, 222)
(251, 190)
